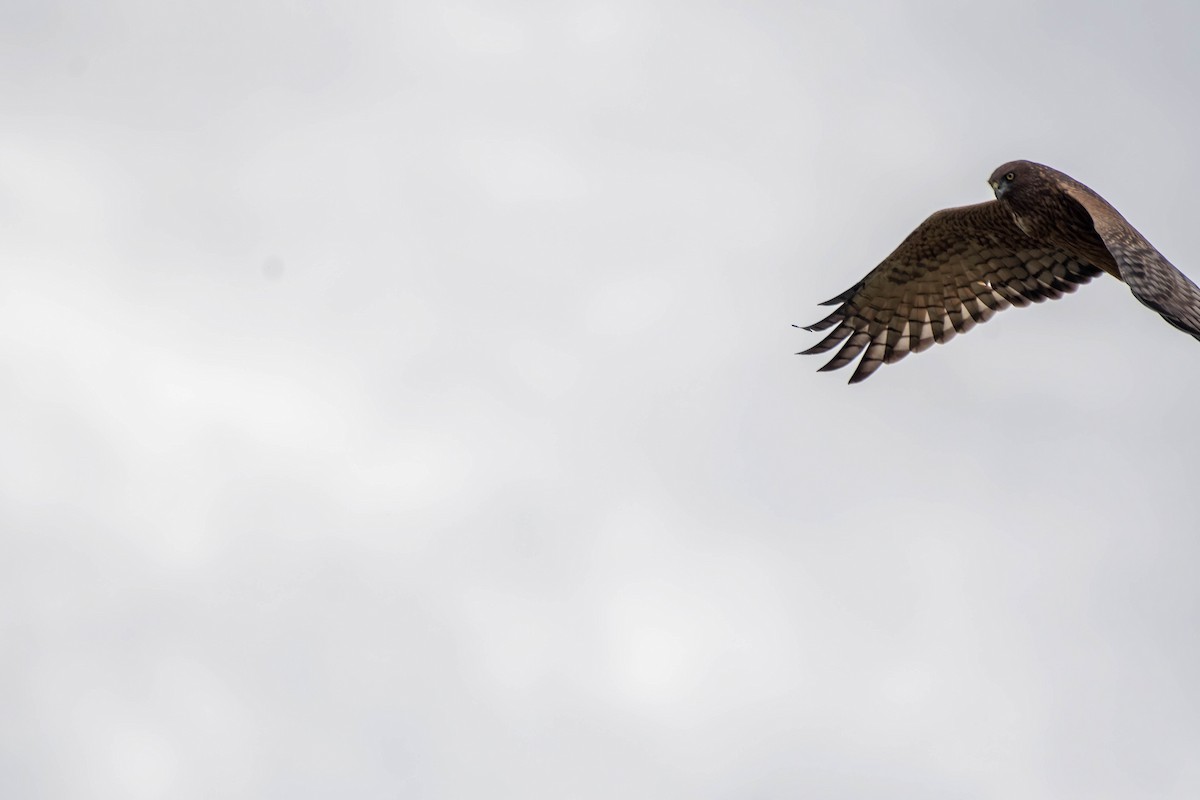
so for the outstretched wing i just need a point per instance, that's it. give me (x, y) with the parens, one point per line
(1154, 281)
(958, 268)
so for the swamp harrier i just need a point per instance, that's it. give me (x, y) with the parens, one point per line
(1044, 235)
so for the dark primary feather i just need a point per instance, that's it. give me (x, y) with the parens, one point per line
(1045, 235)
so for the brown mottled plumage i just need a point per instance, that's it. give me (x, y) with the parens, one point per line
(1044, 235)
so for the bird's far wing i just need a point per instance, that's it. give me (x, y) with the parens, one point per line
(958, 268)
(1154, 281)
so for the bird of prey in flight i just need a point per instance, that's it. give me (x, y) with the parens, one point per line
(1044, 235)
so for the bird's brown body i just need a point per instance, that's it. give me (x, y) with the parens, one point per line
(1043, 235)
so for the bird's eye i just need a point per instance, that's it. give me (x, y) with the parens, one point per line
(1009, 177)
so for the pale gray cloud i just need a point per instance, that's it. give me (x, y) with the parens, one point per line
(399, 401)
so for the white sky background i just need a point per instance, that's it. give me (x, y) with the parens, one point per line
(401, 402)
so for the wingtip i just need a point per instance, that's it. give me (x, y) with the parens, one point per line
(844, 296)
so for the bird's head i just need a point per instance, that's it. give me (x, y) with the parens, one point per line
(1010, 177)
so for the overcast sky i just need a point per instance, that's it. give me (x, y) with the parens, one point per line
(400, 401)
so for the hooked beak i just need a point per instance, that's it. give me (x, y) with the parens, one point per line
(999, 188)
